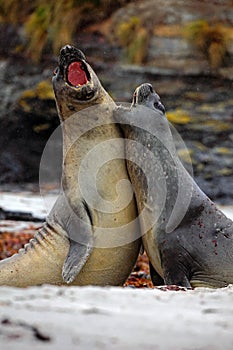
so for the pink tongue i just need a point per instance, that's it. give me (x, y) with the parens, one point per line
(76, 75)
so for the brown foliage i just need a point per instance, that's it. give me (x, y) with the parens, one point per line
(210, 39)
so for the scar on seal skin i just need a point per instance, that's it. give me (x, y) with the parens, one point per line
(71, 247)
(189, 241)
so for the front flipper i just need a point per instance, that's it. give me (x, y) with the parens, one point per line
(178, 279)
(75, 260)
(182, 282)
(175, 273)
(156, 279)
(77, 223)
(176, 262)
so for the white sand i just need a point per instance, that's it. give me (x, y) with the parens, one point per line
(40, 206)
(116, 318)
(113, 318)
(27, 202)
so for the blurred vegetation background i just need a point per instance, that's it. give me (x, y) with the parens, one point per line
(184, 48)
(48, 25)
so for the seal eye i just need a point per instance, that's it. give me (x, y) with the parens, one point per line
(160, 106)
(150, 88)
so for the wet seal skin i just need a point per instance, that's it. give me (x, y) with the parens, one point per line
(76, 245)
(189, 241)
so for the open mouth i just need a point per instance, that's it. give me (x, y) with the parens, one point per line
(77, 74)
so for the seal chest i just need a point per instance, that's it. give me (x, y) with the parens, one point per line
(93, 240)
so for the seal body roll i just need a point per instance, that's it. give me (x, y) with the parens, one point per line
(85, 240)
(189, 241)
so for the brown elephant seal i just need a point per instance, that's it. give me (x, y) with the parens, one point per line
(84, 240)
(189, 241)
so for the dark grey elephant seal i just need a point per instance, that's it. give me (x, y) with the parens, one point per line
(76, 244)
(197, 248)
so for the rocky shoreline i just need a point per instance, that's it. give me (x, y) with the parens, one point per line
(200, 108)
(198, 98)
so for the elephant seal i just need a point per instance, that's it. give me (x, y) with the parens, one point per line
(189, 241)
(68, 248)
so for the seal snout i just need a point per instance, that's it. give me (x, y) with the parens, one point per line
(73, 67)
(143, 91)
(68, 53)
(145, 95)
(65, 49)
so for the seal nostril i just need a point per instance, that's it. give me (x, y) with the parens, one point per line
(65, 49)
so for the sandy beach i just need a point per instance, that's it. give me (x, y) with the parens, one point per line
(50, 317)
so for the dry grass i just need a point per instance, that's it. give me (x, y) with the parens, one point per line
(210, 39)
(167, 31)
(53, 23)
(134, 37)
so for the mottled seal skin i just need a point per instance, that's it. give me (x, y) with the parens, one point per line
(70, 248)
(197, 249)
